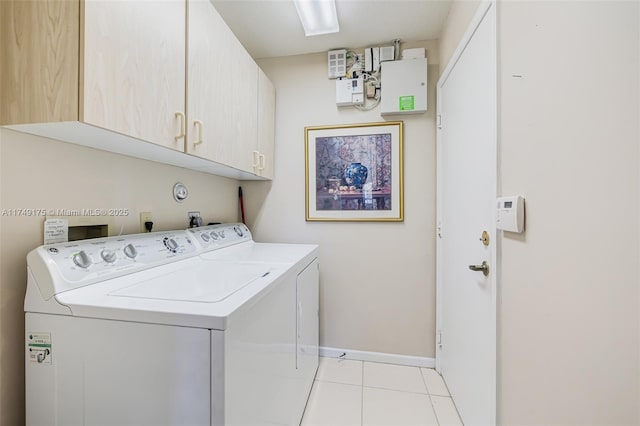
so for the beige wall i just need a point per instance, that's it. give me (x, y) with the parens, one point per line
(457, 22)
(41, 173)
(569, 141)
(377, 279)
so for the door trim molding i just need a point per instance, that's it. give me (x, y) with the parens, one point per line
(485, 8)
(475, 22)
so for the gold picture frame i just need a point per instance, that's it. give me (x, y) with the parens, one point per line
(354, 172)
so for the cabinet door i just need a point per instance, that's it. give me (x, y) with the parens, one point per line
(244, 117)
(207, 70)
(266, 125)
(39, 62)
(133, 81)
(222, 91)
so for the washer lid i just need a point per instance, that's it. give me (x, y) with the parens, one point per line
(199, 284)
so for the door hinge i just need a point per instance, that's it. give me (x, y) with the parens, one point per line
(439, 230)
(439, 339)
(439, 121)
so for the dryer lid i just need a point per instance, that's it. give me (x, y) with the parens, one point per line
(200, 284)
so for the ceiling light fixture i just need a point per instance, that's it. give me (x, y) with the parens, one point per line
(318, 16)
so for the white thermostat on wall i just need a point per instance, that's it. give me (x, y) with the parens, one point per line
(510, 213)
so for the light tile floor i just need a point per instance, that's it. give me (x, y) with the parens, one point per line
(352, 393)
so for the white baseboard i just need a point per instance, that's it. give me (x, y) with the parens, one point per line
(413, 361)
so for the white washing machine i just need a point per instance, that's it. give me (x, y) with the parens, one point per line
(196, 327)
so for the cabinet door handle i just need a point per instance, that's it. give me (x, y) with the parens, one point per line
(256, 160)
(261, 162)
(180, 116)
(199, 125)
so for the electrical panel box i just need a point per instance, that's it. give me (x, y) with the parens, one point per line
(350, 91)
(337, 63)
(404, 87)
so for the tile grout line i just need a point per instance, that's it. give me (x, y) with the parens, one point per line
(397, 390)
(433, 408)
(334, 381)
(424, 381)
(451, 397)
(454, 404)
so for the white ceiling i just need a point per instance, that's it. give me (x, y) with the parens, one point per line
(271, 28)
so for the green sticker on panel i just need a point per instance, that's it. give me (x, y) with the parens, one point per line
(406, 103)
(39, 345)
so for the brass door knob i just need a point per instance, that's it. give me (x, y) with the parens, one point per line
(484, 268)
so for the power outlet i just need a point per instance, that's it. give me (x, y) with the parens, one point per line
(194, 219)
(145, 217)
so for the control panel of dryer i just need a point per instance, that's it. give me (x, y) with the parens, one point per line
(214, 237)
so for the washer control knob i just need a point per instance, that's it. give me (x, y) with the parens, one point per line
(171, 244)
(130, 251)
(108, 255)
(82, 259)
(205, 237)
(238, 231)
(222, 234)
(214, 235)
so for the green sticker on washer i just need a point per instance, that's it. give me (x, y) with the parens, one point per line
(407, 103)
(39, 345)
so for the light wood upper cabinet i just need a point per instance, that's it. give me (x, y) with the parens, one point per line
(244, 113)
(39, 61)
(222, 91)
(134, 75)
(266, 125)
(137, 77)
(231, 102)
(115, 65)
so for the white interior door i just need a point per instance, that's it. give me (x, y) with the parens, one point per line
(467, 180)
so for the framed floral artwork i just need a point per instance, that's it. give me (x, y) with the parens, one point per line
(354, 172)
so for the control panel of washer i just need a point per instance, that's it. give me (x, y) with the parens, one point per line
(65, 266)
(101, 257)
(213, 237)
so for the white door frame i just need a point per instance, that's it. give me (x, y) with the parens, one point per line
(486, 7)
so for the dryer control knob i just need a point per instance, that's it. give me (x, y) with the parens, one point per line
(130, 251)
(82, 259)
(214, 235)
(205, 237)
(238, 231)
(171, 244)
(108, 255)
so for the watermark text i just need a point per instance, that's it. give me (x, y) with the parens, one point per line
(28, 212)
